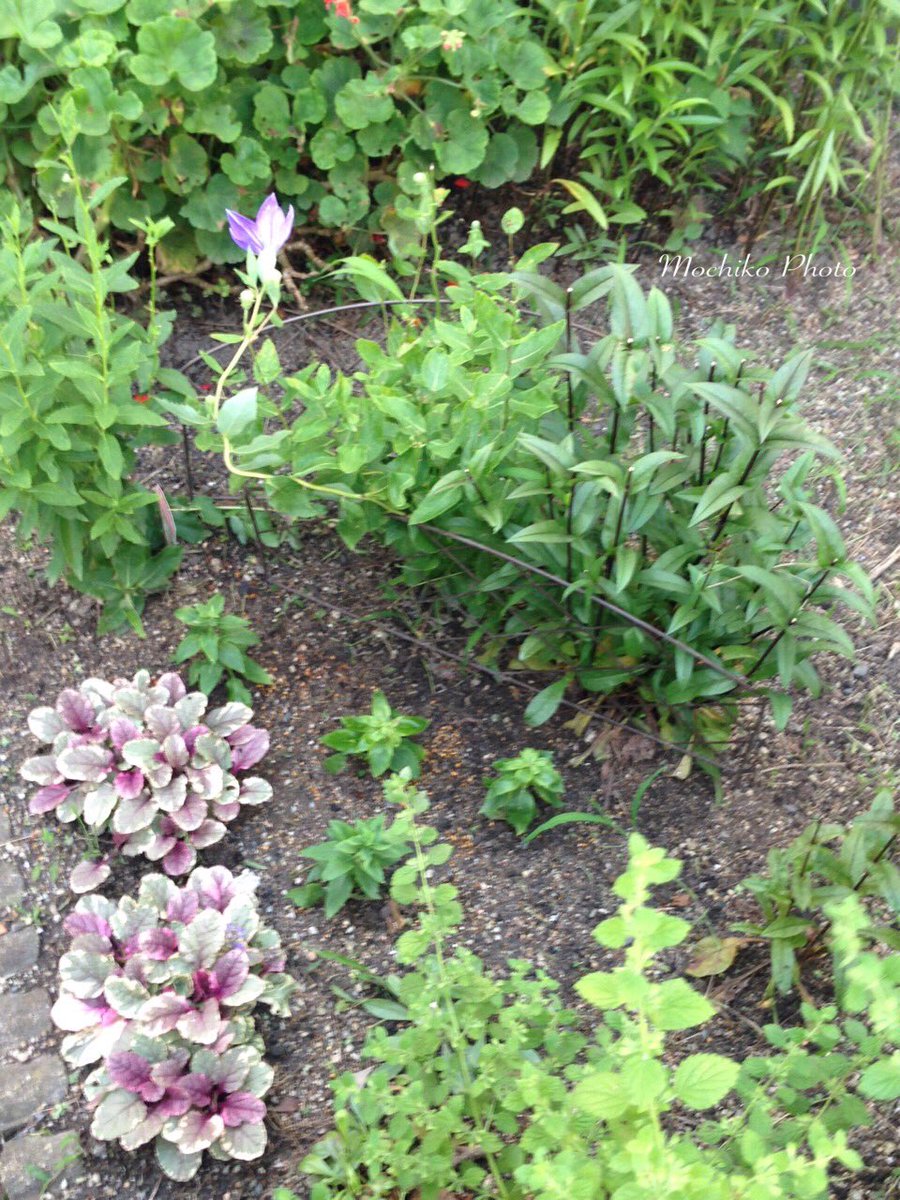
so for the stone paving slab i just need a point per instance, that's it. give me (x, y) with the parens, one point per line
(18, 951)
(27, 1087)
(29, 1162)
(24, 1016)
(12, 887)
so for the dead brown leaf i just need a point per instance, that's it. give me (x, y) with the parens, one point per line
(713, 955)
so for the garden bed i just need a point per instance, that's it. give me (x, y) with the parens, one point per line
(330, 638)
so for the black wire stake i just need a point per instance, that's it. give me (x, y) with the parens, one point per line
(263, 548)
(188, 470)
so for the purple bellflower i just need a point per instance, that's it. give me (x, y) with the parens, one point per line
(263, 236)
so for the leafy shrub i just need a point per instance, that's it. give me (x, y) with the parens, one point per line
(792, 110)
(354, 857)
(70, 366)
(146, 762)
(383, 738)
(489, 1092)
(198, 107)
(229, 100)
(222, 639)
(635, 515)
(518, 784)
(162, 990)
(827, 862)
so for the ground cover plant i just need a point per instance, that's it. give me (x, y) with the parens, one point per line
(612, 513)
(572, 512)
(147, 762)
(337, 105)
(162, 989)
(489, 1091)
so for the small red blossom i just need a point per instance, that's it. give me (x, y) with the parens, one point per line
(342, 9)
(141, 397)
(205, 387)
(462, 183)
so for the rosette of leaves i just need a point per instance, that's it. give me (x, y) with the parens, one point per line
(160, 990)
(354, 858)
(383, 737)
(518, 784)
(146, 762)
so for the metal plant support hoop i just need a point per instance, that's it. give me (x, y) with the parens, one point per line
(739, 681)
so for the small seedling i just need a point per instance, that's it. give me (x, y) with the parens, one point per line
(354, 859)
(217, 642)
(382, 737)
(518, 784)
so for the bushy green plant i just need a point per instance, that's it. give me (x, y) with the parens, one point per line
(635, 515)
(827, 862)
(352, 860)
(383, 737)
(218, 642)
(74, 381)
(518, 783)
(788, 105)
(199, 107)
(489, 1092)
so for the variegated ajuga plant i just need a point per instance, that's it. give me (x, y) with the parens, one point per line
(160, 991)
(147, 762)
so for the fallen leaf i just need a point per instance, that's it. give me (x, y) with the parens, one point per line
(683, 770)
(713, 955)
(393, 918)
(289, 1104)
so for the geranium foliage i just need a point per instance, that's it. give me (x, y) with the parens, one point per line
(148, 763)
(160, 990)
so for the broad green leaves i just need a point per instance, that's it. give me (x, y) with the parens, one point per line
(173, 48)
(702, 1080)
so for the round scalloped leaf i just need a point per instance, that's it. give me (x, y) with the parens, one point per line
(174, 48)
(466, 143)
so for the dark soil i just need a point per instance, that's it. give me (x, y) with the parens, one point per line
(314, 608)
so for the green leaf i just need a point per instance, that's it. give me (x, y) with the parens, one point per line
(542, 706)
(362, 102)
(465, 145)
(881, 1080)
(110, 453)
(702, 1080)
(175, 48)
(601, 1095)
(676, 1005)
(238, 412)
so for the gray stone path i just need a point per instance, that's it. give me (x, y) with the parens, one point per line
(31, 1081)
